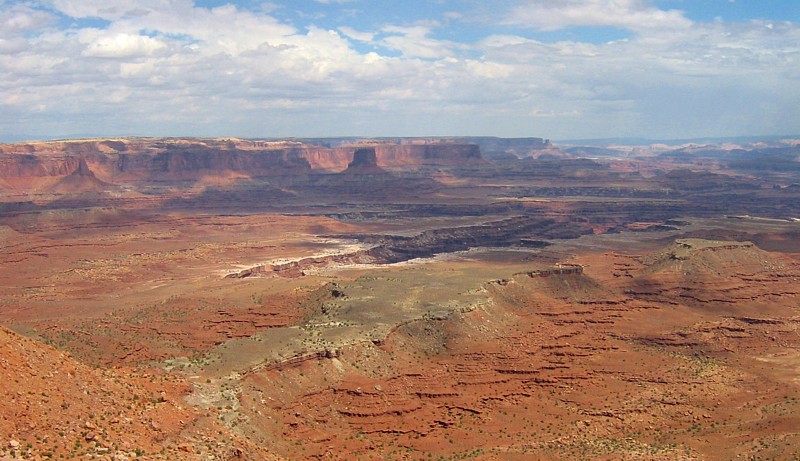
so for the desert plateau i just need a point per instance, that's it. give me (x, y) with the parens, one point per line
(439, 298)
(350, 230)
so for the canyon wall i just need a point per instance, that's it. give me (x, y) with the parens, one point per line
(395, 156)
(148, 159)
(415, 155)
(30, 165)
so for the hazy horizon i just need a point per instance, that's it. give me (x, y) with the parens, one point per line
(631, 141)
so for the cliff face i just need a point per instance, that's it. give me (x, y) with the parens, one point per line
(324, 158)
(490, 146)
(420, 155)
(60, 174)
(396, 156)
(30, 165)
(82, 179)
(365, 161)
(144, 160)
(29, 173)
(78, 147)
(189, 162)
(117, 161)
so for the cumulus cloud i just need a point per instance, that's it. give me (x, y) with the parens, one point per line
(123, 46)
(173, 67)
(679, 83)
(19, 18)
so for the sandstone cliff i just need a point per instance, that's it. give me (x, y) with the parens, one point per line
(396, 156)
(414, 155)
(365, 161)
(148, 159)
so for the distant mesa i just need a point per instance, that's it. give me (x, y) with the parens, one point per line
(701, 181)
(364, 157)
(737, 278)
(82, 179)
(365, 161)
(119, 161)
(52, 174)
(710, 257)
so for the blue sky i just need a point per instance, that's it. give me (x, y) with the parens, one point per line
(252, 68)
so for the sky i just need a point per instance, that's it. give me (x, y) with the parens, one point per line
(558, 69)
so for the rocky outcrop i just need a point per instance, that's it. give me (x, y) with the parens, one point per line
(562, 269)
(34, 166)
(365, 161)
(82, 179)
(714, 274)
(708, 257)
(61, 174)
(297, 268)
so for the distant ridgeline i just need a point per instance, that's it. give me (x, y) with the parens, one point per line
(161, 159)
(490, 146)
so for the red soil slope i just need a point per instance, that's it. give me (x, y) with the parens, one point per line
(561, 365)
(54, 407)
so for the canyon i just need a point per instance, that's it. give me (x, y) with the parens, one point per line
(398, 298)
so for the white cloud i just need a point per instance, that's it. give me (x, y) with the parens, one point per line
(224, 28)
(489, 70)
(116, 9)
(415, 42)
(123, 46)
(20, 18)
(357, 35)
(637, 15)
(268, 7)
(171, 67)
(676, 83)
(12, 46)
